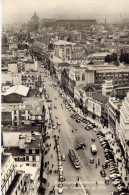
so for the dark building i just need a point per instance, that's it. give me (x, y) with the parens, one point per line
(70, 24)
(118, 77)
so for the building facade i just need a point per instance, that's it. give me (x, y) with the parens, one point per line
(122, 129)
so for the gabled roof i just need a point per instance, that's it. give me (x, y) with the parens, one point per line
(18, 89)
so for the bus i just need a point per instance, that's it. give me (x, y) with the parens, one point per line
(93, 149)
(74, 159)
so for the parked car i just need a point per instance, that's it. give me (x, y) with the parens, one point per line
(60, 190)
(63, 157)
(87, 128)
(103, 173)
(78, 121)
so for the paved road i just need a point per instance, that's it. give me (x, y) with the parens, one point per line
(88, 172)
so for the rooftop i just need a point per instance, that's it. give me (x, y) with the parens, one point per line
(99, 54)
(6, 108)
(32, 170)
(18, 89)
(99, 97)
(34, 144)
(25, 128)
(62, 42)
(4, 158)
(15, 151)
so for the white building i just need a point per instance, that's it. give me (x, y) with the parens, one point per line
(107, 88)
(25, 147)
(17, 180)
(8, 171)
(63, 49)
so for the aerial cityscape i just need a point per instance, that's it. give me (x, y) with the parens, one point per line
(65, 97)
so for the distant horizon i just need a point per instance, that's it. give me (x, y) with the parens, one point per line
(63, 9)
(99, 18)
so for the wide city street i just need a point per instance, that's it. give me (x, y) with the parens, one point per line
(70, 134)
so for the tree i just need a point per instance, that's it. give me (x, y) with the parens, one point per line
(124, 57)
(111, 58)
(50, 46)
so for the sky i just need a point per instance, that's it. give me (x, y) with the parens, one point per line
(24, 9)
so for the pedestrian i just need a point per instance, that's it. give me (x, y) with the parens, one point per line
(96, 182)
(96, 165)
(52, 165)
(59, 130)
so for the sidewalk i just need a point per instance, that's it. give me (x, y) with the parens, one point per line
(50, 158)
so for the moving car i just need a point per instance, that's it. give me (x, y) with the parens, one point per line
(91, 160)
(58, 123)
(80, 146)
(93, 149)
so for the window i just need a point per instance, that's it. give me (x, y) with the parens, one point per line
(33, 151)
(23, 118)
(83, 77)
(14, 111)
(34, 158)
(30, 151)
(37, 151)
(15, 118)
(27, 158)
(27, 151)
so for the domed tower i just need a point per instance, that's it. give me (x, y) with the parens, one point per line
(35, 18)
(34, 22)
